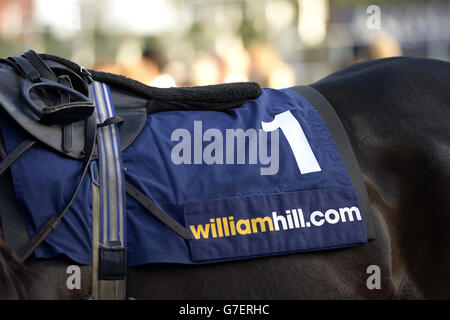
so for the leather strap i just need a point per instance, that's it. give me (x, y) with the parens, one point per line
(25, 68)
(67, 135)
(158, 213)
(15, 154)
(40, 65)
(334, 125)
(67, 129)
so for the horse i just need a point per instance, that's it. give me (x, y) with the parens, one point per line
(395, 112)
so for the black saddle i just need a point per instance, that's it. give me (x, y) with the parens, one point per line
(50, 98)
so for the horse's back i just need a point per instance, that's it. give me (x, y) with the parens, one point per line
(395, 112)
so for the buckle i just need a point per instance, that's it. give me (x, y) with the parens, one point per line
(93, 167)
(113, 261)
(86, 75)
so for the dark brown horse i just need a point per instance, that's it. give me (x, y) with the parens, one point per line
(396, 113)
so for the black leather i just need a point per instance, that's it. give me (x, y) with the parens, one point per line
(113, 263)
(67, 128)
(40, 83)
(130, 108)
(40, 65)
(25, 68)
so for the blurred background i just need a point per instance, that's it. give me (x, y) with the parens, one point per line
(277, 43)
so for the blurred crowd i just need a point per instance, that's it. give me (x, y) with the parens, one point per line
(260, 62)
(277, 43)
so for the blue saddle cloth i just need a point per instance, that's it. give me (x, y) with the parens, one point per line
(236, 207)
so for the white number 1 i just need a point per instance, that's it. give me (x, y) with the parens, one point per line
(292, 130)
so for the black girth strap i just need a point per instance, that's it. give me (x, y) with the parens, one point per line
(159, 214)
(334, 125)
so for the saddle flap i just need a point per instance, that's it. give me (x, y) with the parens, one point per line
(133, 120)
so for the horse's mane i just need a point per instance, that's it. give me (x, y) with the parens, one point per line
(14, 275)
